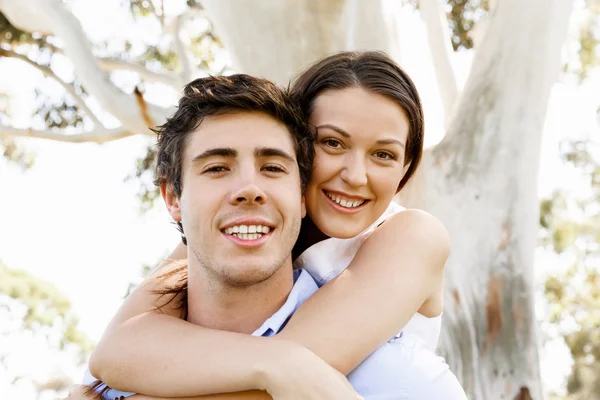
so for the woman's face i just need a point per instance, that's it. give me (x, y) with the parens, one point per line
(359, 160)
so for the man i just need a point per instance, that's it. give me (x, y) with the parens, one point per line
(234, 159)
(228, 161)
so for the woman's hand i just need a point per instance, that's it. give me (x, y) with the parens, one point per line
(82, 392)
(300, 374)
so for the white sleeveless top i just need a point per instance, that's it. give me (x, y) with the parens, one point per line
(327, 259)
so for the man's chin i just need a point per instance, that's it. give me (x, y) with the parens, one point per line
(247, 274)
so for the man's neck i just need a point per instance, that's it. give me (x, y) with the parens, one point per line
(216, 305)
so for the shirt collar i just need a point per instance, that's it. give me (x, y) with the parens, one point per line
(304, 287)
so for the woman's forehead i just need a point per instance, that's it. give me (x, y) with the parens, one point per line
(359, 111)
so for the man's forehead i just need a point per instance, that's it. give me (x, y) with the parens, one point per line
(243, 132)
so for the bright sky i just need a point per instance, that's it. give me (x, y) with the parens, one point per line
(73, 221)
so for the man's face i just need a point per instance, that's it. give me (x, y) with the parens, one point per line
(241, 202)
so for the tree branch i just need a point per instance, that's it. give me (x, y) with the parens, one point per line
(181, 50)
(76, 46)
(441, 51)
(50, 74)
(95, 136)
(175, 28)
(49, 46)
(115, 64)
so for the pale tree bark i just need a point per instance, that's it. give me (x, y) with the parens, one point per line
(481, 181)
(276, 39)
(94, 136)
(440, 46)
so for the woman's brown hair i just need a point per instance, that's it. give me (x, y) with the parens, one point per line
(375, 72)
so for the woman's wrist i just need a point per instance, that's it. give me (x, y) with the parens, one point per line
(279, 357)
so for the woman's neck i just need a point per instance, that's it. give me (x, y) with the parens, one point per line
(309, 235)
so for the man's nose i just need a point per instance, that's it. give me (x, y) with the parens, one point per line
(248, 191)
(355, 171)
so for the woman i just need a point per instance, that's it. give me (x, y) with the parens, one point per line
(383, 265)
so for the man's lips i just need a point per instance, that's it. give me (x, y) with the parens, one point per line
(248, 240)
(248, 222)
(248, 232)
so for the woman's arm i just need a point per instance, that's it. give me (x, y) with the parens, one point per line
(248, 395)
(130, 356)
(397, 269)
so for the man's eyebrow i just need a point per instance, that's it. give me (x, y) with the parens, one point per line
(272, 152)
(347, 135)
(219, 151)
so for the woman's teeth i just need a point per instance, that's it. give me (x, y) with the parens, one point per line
(248, 232)
(345, 202)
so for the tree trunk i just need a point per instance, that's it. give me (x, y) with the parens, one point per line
(276, 39)
(481, 181)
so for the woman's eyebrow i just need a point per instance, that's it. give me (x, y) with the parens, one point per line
(347, 135)
(390, 141)
(334, 128)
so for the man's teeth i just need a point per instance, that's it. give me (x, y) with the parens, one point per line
(343, 202)
(248, 232)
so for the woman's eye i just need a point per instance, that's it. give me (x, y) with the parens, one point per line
(384, 155)
(333, 143)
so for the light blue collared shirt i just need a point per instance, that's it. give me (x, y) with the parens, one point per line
(404, 368)
(304, 287)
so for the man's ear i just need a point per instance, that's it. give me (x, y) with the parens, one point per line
(303, 206)
(171, 201)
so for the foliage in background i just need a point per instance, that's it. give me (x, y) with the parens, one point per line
(34, 309)
(588, 45)
(45, 307)
(570, 224)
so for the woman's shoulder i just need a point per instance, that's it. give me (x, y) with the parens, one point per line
(415, 229)
(418, 221)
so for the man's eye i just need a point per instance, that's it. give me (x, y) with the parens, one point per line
(273, 168)
(215, 170)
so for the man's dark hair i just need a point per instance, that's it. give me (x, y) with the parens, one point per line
(216, 95)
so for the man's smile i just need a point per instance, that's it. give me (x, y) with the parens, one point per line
(248, 232)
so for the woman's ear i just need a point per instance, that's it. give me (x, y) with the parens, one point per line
(171, 201)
